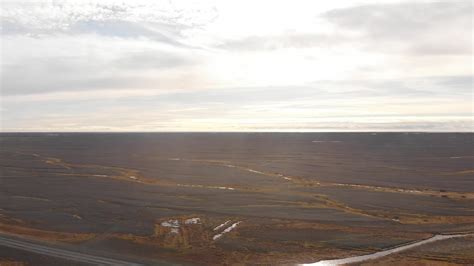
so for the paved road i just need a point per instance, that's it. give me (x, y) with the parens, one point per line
(60, 253)
(380, 254)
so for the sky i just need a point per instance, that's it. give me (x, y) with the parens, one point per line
(242, 65)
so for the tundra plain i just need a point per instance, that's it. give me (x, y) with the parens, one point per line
(237, 198)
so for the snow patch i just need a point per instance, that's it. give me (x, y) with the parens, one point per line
(186, 185)
(228, 188)
(201, 186)
(192, 221)
(221, 225)
(255, 171)
(227, 230)
(284, 177)
(171, 223)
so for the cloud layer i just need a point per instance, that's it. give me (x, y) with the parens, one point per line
(219, 66)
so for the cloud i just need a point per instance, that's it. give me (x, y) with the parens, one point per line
(441, 86)
(63, 64)
(161, 21)
(78, 65)
(415, 27)
(418, 28)
(9, 27)
(122, 29)
(153, 60)
(286, 40)
(38, 79)
(329, 94)
(50, 73)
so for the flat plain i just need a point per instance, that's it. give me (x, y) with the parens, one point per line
(238, 198)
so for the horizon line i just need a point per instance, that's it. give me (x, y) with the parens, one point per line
(328, 131)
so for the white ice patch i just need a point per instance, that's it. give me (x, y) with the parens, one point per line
(228, 188)
(192, 221)
(227, 230)
(255, 171)
(284, 177)
(100, 175)
(170, 223)
(201, 186)
(221, 225)
(410, 190)
(132, 177)
(174, 231)
(186, 185)
(174, 159)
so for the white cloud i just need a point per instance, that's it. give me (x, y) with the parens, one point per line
(423, 28)
(245, 65)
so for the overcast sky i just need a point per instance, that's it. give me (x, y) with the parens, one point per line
(236, 65)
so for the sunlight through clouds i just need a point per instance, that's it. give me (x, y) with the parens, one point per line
(236, 65)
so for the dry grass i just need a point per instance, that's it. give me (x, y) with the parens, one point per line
(44, 234)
